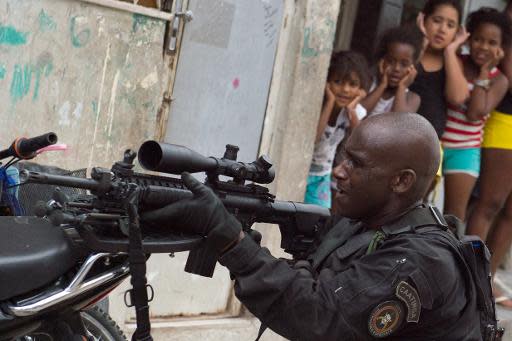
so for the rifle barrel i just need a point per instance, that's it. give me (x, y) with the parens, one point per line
(59, 180)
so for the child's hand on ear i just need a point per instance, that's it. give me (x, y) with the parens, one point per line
(383, 74)
(496, 58)
(351, 108)
(409, 77)
(329, 95)
(460, 38)
(420, 22)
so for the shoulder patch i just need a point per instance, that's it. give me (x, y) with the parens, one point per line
(406, 292)
(385, 319)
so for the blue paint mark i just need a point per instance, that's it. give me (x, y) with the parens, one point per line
(10, 36)
(46, 22)
(21, 79)
(41, 70)
(307, 51)
(81, 38)
(2, 71)
(138, 20)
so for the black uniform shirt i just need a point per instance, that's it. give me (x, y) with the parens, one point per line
(410, 288)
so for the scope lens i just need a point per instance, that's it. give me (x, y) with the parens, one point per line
(150, 155)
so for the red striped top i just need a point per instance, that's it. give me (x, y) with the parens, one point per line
(460, 132)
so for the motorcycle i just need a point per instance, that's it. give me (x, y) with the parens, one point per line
(89, 243)
(51, 280)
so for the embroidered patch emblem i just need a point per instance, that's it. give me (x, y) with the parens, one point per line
(385, 319)
(409, 295)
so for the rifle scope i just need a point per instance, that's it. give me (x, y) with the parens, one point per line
(176, 159)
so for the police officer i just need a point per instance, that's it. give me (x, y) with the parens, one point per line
(373, 274)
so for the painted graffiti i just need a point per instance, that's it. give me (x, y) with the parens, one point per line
(10, 36)
(318, 40)
(79, 38)
(68, 117)
(21, 79)
(143, 22)
(43, 67)
(46, 22)
(24, 74)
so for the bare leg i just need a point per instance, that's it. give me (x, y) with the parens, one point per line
(458, 187)
(495, 187)
(500, 237)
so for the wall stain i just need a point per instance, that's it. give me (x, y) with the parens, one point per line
(46, 22)
(2, 71)
(79, 39)
(10, 36)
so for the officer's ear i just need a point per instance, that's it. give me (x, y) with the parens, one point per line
(403, 181)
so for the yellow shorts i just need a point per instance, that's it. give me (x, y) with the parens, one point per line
(439, 173)
(498, 131)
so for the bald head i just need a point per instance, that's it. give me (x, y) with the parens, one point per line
(404, 141)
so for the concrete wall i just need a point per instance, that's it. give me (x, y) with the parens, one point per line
(93, 75)
(96, 77)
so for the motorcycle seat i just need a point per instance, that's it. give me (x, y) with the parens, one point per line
(33, 254)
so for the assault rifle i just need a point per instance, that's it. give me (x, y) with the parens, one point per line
(102, 218)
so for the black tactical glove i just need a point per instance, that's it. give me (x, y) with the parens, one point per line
(203, 214)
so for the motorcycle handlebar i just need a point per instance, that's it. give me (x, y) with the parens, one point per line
(25, 148)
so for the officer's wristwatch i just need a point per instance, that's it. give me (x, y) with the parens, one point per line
(483, 83)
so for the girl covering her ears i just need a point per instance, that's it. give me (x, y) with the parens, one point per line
(494, 203)
(440, 79)
(347, 82)
(397, 52)
(490, 34)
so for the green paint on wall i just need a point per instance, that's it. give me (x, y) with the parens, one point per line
(94, 108)
(21, 79)
(10, 36)
(79, 39)
(307, 51)
(46, 22)
(41, 70)
(2, 71)
(321, 43)
(138, 20)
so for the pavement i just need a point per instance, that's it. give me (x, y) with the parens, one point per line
(505, 315)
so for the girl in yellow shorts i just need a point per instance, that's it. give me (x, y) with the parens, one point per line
(496, 184)
(494, 204)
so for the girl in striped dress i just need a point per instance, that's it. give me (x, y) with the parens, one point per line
(462, 138)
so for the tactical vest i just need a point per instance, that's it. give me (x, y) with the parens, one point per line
(472, 255)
